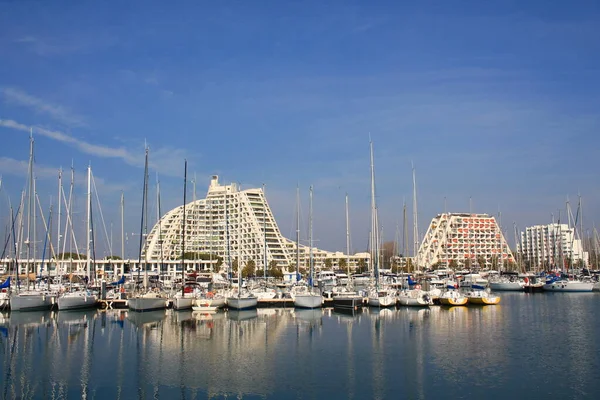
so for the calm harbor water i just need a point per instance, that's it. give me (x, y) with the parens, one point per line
(529, 346)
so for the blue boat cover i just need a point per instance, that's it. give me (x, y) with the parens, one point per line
(411, 282)
(478, 287)
(5, 284)
(119, 282)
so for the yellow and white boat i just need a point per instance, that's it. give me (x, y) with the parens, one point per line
(483, 297)
(453, 298)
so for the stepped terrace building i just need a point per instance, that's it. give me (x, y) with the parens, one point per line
(545, 247)
(234, 224)
(464, 240)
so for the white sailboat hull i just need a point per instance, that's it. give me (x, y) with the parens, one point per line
(420, 299)
(31, 302)
(382, 301)
(569, 286)
(76, 301)
(242, 303)
(4, 300)
(183, 303)
(310, 300)
(507, 286)
(142, 304)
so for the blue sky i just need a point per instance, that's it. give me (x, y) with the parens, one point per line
(497, 101)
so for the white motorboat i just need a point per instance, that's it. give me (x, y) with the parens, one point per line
(414, 298)
(453, 297)
(77, 300)
(149, 301)
(382, 298)
(564, 285)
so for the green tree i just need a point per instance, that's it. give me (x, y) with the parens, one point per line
(468, 263)
(342, 263)
(362, 266)
(409, 265)
(69, 256)
(275, 272)
(328, 263)
(113, 258)
(453, 265)
(249, 269)
(481, 261)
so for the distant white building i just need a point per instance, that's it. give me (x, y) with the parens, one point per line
(551, 246)
(464, 240)
(235, 224)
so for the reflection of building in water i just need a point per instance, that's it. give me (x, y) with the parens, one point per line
(213, 353)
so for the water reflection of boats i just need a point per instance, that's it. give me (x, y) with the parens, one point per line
(242, 315)
(347, 312)
(148, 318)
(208, 316)
(384, 313)
(310, 315)
(31, 318)
(75, 317)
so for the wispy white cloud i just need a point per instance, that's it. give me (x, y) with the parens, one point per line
(168, 160)
(57, 112)
(20, 168)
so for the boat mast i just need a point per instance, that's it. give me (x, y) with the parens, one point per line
(123, 229)
(297, 231)
(183, 230)
(158, 219)
(310, 246)
(89, 212)
(29, 208)
(374, 228)
(415, 221)
(347, 241)
(59, 214)
(144, 194)
(264, 235)
(239, 241)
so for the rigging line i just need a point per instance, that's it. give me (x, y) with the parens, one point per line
(37, 198)
(69, 223)
(109, 244)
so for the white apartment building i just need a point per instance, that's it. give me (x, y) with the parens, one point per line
(551, 246)
(464, 239)
(234, 224)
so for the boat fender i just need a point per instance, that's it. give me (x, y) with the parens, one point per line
(210, 295)
(122, 289)
(526, 280)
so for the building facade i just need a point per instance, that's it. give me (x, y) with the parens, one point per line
(464, 240)
(552, 246)
(233, 224)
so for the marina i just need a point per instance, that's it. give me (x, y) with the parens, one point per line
(404, 352)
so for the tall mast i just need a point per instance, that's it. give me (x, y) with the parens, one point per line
(59, 212)
(89, 214)
(415, 221)
(144, 195)
(347, 240)
(183, 229)
(310, 239)
(264, 234)
(374, 228)
(158, 220)
(123, 229)
(29, 208)
(297, 231)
